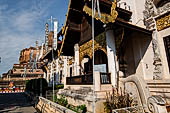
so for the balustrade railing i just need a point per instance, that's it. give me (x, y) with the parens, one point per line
(80, 80)
(105, 78)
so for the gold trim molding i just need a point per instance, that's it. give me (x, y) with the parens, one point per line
(105, 18)
(163, 22)
(99, 44)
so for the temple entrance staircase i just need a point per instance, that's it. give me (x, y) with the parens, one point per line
(162, 88)
(152, 95)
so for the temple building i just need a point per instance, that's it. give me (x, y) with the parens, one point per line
(50, 62)
(27, 68)
(131, 51)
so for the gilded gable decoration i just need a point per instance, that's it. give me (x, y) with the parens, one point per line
(105, 18)
(163, 22)
(99, 43)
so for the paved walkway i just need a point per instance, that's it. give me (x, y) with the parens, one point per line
(15, 103)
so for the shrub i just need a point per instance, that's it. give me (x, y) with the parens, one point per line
(77, 109)
(58, 86)
(55, 98)
(117, 100)
(33, 85)
(83, 108)
(62, 101)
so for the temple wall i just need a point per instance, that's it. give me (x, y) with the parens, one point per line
(136, 7)
(129, 59)
(148, 59)
(140, 6)
(143, 55)
(139, 56)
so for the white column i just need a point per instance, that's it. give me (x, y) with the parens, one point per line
(48, 75)
(82, 67)
(65, 71)
(52, 72)
(111, 54)
(57, 72)
(76, 60)
(45, 76)
(65, 66)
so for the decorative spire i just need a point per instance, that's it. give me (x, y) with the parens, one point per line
(46, 35)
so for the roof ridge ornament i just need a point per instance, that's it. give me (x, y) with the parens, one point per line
(105, 18)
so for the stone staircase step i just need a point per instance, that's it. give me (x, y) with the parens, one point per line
(160, 87)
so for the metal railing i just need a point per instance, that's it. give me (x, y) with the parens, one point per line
(88, 79)
(105, 78)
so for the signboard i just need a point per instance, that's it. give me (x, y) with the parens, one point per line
(100, 68)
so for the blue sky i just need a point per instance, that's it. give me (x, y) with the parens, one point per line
(22, 22)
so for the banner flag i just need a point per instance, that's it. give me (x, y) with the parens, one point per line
(37, 55)
(55, 35)
(31, 55)
(41, 52)
(96, 6)
(34, 65)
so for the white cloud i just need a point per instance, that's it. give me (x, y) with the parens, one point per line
(21, 24)
(18, 31)
(10, 48)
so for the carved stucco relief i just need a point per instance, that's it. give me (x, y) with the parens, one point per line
(163, 22)
(149, 19)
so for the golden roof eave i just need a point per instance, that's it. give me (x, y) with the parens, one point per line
(64, 27)
(59, 53)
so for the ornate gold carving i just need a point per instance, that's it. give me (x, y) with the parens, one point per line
(70, 61)
(46, 68)
(105, 18)
(114, 13)
(99, 44)
(163, 22)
